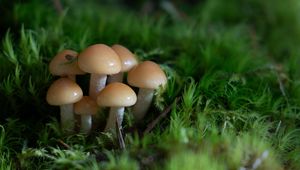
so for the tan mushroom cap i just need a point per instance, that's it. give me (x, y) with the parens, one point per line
(65, 63)
(99, 59)
(147, 75)
(63, 91)
(86, 106)
(116, 95)
(128, 59)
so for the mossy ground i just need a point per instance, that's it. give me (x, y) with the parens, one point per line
(234, 89)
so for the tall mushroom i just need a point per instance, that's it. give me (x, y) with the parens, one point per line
(99, 60)
(65, 64)
(117, 96)
(64, 93)
(148, 76)
(128, 61)
(86, 107)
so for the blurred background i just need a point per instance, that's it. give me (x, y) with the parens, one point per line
(269, 21)
(175, 9)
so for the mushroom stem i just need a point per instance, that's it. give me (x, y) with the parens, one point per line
(114, 114)
(86, 124)
(67, 119)
(72, 77)
(116, 78)
(97, 83)
(142, 105)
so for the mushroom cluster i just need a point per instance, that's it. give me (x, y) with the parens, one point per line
(107, 88)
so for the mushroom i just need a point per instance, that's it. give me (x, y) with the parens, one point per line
(99, 60)
(148, 76)
(65, 64)
(64, 93)
(128, 61)
(86, 107)
(117, 96)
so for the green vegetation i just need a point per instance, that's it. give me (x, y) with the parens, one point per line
(233, 66)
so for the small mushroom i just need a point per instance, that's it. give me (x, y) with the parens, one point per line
(64, 93)
(86, 107)
(117, 96)
(148, 76)
(128, 61)
(99, 60)
(65, 64)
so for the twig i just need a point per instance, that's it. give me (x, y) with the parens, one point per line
(259, 160)
(163, 114)
(63, 144)
(119, 135)
(281, 87)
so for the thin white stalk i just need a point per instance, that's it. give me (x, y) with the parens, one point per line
(97, 83)
(67, 119)
(86, 124)
(72, 77)
(114, 114)
(116, 78)
(142, 105)
(260, 160)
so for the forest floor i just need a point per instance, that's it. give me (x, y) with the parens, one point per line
(232, 100)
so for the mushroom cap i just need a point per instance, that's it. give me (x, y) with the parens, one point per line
(116, 95)
(147, 75)
(63, 91)
(65, 63)
(86, 106)
(128, 59)
(99, 59)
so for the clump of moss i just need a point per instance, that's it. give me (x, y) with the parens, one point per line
(233, 89)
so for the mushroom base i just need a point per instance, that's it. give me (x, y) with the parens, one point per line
(116, 78)
(86, 124)
(97, 83)
(114, 114)
(67, 119)
(142, 105)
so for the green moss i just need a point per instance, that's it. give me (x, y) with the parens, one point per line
(233, 86)
(190, 161)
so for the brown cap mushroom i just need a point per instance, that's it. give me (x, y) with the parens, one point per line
(100, 60)
(64, 92)
(117, 96)
(86, 107)
(128, 61)
(148, 76)
(65, 64)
